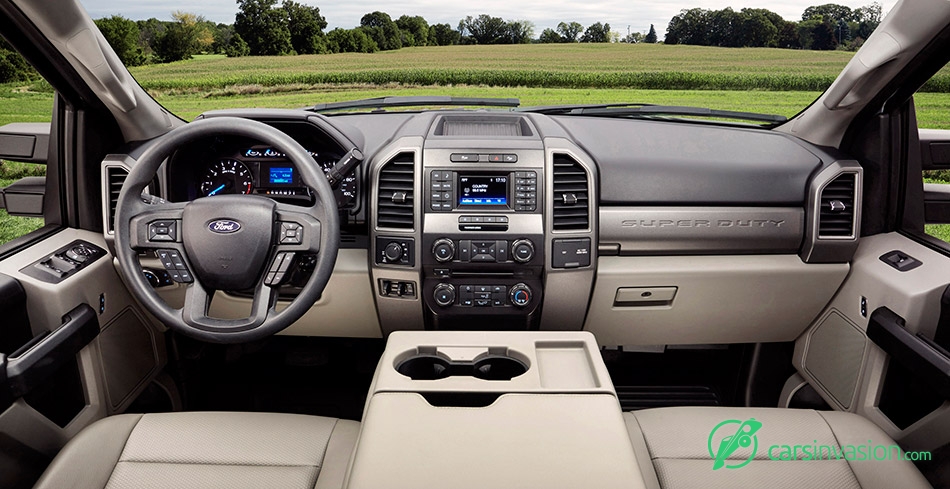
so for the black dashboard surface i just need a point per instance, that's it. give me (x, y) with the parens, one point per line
(657, 163)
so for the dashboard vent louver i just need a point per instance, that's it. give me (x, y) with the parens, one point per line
(395, 204)
(115, 177)
(570, 193)
(837, 208)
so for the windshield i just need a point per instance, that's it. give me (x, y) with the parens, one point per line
(772, 60)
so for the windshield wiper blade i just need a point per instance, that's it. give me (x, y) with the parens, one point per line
(415, 101)
(631, 110)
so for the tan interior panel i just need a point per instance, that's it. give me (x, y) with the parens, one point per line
(913, 295)
(667, 300)
(122, 338)
(835, 353)
(345, 309)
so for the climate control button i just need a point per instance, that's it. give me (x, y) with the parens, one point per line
(444, 295)
(520, 295)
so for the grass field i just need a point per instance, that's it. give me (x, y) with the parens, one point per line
(774, 81)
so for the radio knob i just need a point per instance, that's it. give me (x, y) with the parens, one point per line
(520, 295)
(522, 250)
(393, 252)
(444, 295)
(443, 250)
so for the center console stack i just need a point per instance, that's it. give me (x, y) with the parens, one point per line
(483, 235)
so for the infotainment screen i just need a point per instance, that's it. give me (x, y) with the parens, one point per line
(482, 190)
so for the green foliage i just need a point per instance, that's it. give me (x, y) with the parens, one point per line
(443, 35)
(415, 30)
(188, 35)
(350, 41)
(14, 67)
(306, 28)
(263, 27)
(486, 29)
(549, 36)
(379, 26)
(519, 31)
(123, 35)
(12, 170)
(236, 47)
(569, 31)
(650, 38)
(597, 32)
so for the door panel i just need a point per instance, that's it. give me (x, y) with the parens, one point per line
(127, 352)
(854, 373)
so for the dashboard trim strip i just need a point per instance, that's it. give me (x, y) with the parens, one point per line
(695, 230)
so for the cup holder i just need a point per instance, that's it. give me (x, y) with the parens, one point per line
(434, 367)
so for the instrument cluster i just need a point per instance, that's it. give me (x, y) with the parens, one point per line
(262, 170)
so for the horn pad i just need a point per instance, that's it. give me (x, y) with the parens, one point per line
(227, 239)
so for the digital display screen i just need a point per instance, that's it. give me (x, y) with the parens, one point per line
(483, 190)
(281, 175)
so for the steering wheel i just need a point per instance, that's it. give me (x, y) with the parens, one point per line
(227, 242)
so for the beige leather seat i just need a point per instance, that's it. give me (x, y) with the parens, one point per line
(673, 448)
(206, 450)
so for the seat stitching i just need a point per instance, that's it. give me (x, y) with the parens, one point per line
(838, 442)
(124, 446)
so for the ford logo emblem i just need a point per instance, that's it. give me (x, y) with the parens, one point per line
(224, 226)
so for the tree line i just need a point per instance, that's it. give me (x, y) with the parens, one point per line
(823, 27)
(264, 28)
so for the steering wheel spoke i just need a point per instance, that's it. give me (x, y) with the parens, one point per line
(156, 226)
(197, 305)
(298, 230)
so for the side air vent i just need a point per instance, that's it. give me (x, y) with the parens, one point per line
(570, 194)
(115, 177)
(836, 211)
(395, 202)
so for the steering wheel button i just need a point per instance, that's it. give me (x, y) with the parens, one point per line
(285, 264)
(185, 276)
(175, 275)
(270, 278)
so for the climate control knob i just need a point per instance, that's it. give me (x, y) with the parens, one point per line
(444, 295)
(393, 252)
(520, 295)
(522, 250)
(443, 250)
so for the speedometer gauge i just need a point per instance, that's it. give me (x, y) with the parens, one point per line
(227, 177)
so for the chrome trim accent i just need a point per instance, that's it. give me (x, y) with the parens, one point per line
(695, 230)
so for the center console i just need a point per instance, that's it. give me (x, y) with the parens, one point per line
(501, 409)
(483, 224)
(482, 242)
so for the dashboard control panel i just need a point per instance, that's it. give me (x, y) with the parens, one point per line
(483, 238)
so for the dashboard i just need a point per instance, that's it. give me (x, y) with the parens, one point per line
(471, 220)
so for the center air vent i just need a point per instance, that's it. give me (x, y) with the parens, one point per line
(570, 194)
(395, 202)
(836, 212)
(115, 177)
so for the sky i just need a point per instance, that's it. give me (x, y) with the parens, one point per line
(637, 14)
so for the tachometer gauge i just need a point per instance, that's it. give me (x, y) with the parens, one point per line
(349, 187)
(227, 177)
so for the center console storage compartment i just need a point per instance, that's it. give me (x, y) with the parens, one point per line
(537, 408)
